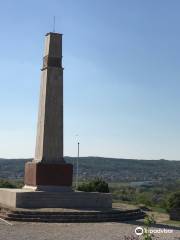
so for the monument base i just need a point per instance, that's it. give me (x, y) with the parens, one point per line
(44, 174)
(48, 188)
(25, 198)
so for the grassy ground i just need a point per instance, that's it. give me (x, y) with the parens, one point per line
(160, 215)
(124, 206)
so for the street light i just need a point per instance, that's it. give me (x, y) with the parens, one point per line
(77, 167)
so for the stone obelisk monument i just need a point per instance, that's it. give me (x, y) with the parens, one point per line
(48, 178)
(48, 170)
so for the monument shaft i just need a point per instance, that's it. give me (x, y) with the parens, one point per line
(48, 170)
(49, 141)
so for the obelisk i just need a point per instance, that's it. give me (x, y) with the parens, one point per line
(48, 178)
(48, 170)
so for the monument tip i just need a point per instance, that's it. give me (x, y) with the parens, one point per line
(53, 33)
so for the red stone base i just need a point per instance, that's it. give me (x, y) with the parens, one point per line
(40, 174)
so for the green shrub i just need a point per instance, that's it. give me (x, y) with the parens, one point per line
(148, 221)
(96, 185)
(144, 198)
(6, 184)
(174, 201)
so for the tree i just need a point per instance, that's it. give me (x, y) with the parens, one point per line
(174, 201)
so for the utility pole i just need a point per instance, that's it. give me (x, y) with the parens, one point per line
(77, 168)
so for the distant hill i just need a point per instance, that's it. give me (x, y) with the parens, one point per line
(110, 169)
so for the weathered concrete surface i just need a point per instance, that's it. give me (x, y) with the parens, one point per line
(26, 198)
(49, 140)
(7, 197)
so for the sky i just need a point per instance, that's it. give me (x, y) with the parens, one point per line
(121, 63)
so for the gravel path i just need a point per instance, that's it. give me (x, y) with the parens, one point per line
(76, 231)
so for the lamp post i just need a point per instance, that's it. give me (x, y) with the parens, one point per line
(77, 167)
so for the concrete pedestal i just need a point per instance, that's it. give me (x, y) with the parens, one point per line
(24, 198)
(41, 175)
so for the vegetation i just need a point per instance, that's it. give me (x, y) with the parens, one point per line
(6, 184)
(10, 184)
(148, 221)
(96, 185)
(174, 201)
(144, 231)
(156, 196)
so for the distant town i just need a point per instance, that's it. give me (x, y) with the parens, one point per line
(110, 169)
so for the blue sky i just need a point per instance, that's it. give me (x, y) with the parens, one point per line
(121, 76)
